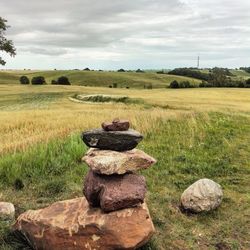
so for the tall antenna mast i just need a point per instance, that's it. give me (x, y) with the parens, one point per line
(198, 62)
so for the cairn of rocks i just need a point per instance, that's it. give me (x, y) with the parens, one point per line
(114, 214)
(111, 183)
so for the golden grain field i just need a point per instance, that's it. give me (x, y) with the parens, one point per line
(25, 123)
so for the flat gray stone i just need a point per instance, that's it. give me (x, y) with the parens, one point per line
(112, 140)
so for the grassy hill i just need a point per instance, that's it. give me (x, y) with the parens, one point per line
(193, 134)
(240, 73)
(99, 79)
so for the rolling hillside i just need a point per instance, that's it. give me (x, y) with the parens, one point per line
(99, 79)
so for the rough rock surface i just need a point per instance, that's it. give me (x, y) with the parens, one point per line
(7, 211)
(203, 195)
(112, 140)
(112, 162)
(114, 192)
(72, 224)
(116, 125)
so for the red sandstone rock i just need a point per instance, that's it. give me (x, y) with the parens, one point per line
(73, 225)
(116, 125)
(114, 192)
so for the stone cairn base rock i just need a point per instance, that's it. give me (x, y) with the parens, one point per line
(114, 214)
(203, 195)
(73, 224)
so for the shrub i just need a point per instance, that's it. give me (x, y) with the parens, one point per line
(121, 70)
(63, 80)
(174, 85)
(86, 69)
(53, 82)
(38, 80)
(114, 85)
(24, 80)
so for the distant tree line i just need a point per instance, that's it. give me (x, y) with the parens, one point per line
(40, 80)
(190, 73)
(217, 77)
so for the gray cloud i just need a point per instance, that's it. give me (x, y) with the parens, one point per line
(141, 33)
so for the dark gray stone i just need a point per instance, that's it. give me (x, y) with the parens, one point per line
(112, 140)
(114, 192)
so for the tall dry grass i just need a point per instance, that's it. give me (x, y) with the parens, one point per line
(24, 123)
(22, 129)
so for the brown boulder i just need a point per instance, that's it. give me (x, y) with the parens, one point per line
(113, 162)
(73, 225)
(116, 125)
(114, 192)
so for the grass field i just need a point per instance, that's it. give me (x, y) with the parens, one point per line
(193, 133)
(96, 78)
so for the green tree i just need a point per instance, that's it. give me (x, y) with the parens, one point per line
(24, 80)
(63, 80)
(38, 80)
(174, 85)
(5, 44)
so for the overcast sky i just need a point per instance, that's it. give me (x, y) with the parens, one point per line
(112, 34)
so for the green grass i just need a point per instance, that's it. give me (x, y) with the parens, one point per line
(213, 146)
(28, 101)
(99, 79)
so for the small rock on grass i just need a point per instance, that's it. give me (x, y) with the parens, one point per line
(203, 195)
(7, 211)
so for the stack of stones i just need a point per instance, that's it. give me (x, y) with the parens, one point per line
(113, 215)
(111, 182)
